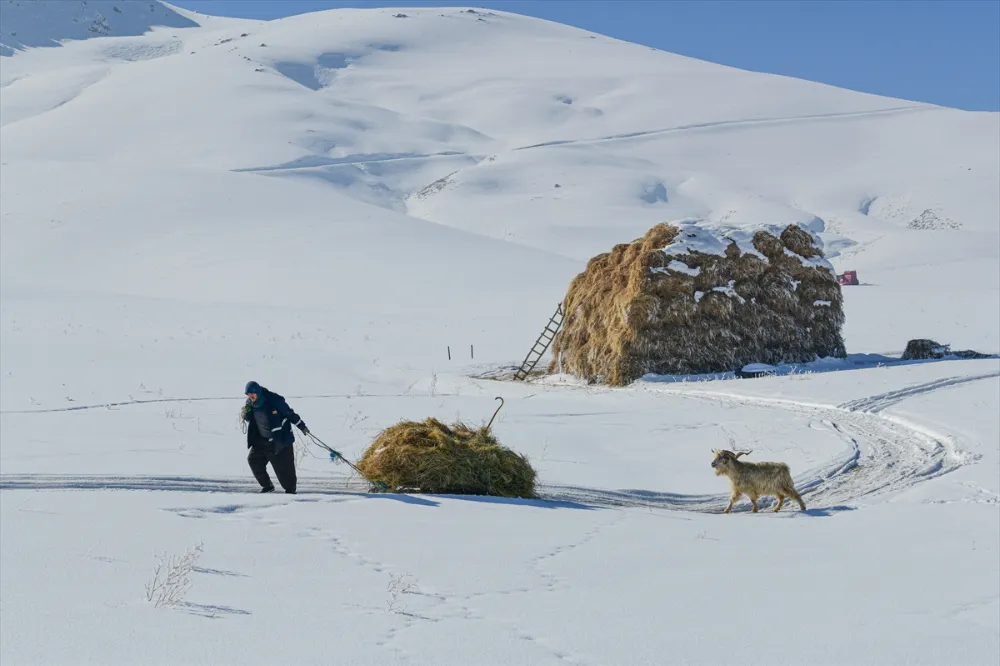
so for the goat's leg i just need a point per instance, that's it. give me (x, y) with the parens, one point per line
(732, 500)
(781, 502)
(795, 496)
(753, 500)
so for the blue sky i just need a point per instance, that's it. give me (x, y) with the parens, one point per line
(945, 52)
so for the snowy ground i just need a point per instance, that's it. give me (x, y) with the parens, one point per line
(624, 561)
(329, 213)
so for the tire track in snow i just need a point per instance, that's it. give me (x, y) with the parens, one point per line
(881, 455)
(728, 123)
(877, 403)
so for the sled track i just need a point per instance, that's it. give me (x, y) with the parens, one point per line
(880, 455)
(156, 401)
(737, 123)
(878, 403)
(326, 485)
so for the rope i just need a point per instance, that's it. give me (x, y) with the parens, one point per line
(335, 455)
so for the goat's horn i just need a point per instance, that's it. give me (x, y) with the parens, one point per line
(744, 453)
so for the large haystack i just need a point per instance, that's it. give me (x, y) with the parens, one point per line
(432, 457)
(684, 299)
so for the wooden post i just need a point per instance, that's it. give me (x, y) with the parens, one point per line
(449, 352)
(472, 351)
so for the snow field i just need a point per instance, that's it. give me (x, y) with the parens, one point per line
(326, 204)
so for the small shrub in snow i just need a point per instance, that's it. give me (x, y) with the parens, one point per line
(171, 578)
(398, 585)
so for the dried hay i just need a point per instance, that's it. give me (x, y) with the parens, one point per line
(923, 348)
(681, 300)
(432, 457)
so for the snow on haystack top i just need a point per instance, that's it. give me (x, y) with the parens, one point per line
(695, 236)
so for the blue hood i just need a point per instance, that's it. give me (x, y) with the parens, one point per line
(254, 387)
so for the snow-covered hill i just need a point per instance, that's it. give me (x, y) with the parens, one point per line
(365, 209)
(33, 23)
(514, 129)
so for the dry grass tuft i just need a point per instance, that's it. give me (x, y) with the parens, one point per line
(432, 457)
(682, 301)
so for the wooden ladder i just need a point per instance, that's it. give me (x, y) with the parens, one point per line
(541, 345)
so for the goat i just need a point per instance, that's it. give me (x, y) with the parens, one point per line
(755, 479)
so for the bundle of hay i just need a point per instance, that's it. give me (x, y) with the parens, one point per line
(432, 457)
(685, 300)
(921, 348)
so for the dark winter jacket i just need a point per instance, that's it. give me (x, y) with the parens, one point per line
(271, 421)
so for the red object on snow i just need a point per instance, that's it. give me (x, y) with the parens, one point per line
(848, 277)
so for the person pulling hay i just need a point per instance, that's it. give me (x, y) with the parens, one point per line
(269, 422)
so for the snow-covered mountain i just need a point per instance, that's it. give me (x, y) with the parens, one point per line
(33, 23)
(363, 209)
(515, 129)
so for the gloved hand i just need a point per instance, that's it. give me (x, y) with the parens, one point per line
(303, 428)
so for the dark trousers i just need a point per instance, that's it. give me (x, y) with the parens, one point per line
(283, 464)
